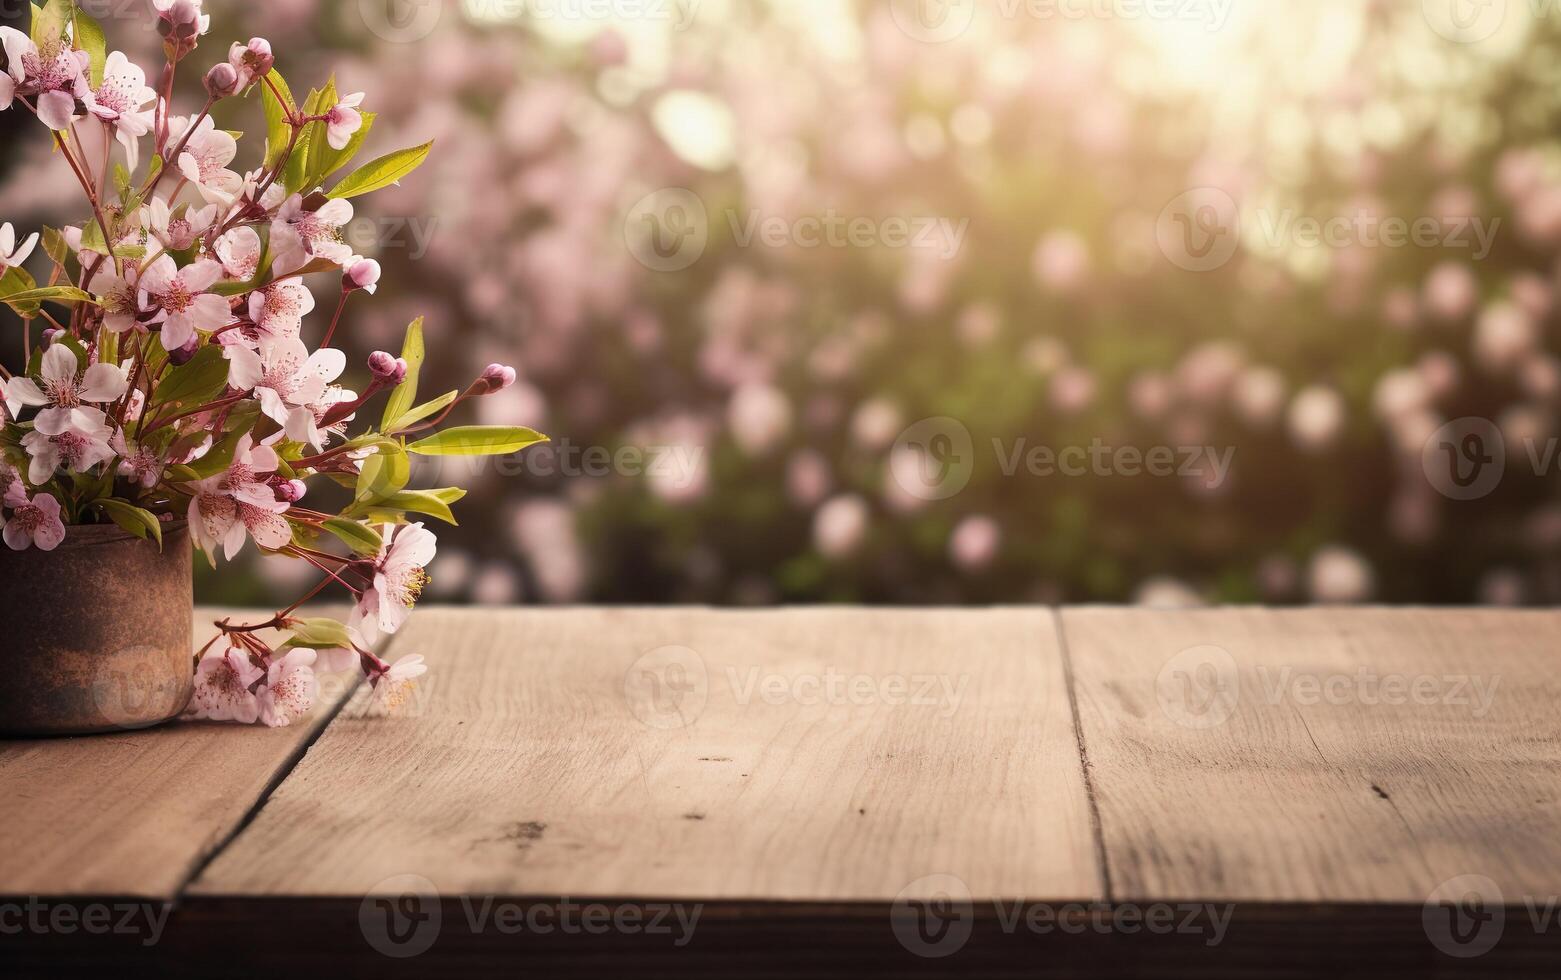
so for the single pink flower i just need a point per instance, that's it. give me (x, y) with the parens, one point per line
(182, 302)
(297, 235)
(399, 578)
(55, 74)
(290, 689)
(239, 252)
(205, 158)
(393, 684)
(223, 682)
(82, 444)
(33, 521)
(120, 101)
(343, 120)
(10, 254)
(65, 389)
(177, 228)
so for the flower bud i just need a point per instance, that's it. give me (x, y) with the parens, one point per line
(180, 23)
(290, 491)
(497, 377)
(386, 368)
(252, 60)
(183, 354)
(361, 274)
(222, 80)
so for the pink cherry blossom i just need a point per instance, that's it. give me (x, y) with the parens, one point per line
(119, 298)
(65, 388)
(393, 684)
(239, 252)
(290, 689)
(180, 297)
(82, 444)
(120, 101)
(343, 120)
(278, 310)
(10, 254)
(399, 578)
(205, 158)
(176, 228)
(140, 464)
(297, 235)
(283, 375)
(33, 521)
(54, 74)
(223, 682)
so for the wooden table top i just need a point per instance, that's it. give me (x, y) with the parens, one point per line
(1076, 792)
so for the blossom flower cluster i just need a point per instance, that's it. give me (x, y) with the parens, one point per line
(172, 371)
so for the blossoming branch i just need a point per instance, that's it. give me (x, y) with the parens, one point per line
(169, 373)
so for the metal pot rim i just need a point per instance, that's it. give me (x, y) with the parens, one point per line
(102, 535)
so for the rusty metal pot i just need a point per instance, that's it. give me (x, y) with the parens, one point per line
(96, 635)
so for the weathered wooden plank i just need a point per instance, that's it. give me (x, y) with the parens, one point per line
(695, 753)
(134, 814)
(1322, 755)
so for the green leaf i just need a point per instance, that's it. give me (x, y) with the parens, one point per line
(220, 456)
(199, 380)
(382, 172)
(434, 503)
(49, 21)
(278, 129)
(402, 397)
(30, 298)
(331, 159)
(18, 280)
(55, 246)
(313, 154)
(415, 415)
(89, 38)
(295, 176)
(359, 537)
(141, 523)
(319, 634)
(477, 440)
(382, 474)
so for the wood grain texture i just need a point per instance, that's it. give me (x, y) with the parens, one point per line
(539, 761)
(1364, 756)
(135, 814)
